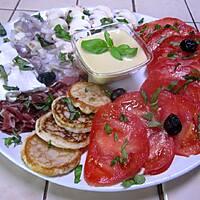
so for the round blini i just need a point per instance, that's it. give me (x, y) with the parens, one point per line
(88, 96)
(61, 116)
(46, 159)
(47, 129)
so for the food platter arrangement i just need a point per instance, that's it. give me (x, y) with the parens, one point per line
(99, 99)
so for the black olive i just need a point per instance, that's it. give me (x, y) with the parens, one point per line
(116, 93)
(47, 78)
(172, 125)
(189, 45)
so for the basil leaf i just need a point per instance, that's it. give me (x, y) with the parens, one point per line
(62, 33)
(77, 173)
(116, 53)
(123, 118)
(143, 29)
(138, 179)
(39, 17)
(86, 12)
(74, 113)
(62, 57)
(3, 73)
(124, 152)
(157, 27)
(69, 18)
(171, 86)
(10, 88)
(2, 31)
(154, 98)
(6, 40)
(16, 140)
(45, 106)
(22, 64)
(154, 124)
(144, 96)
(115, 161)
(96, 46)
(49, 144)
(44, 43)
(116, 137)
(141, 21)
(126, 50)
(107, 129)
(122, 20)
(106, 20)
(148, 116)
(108, 39)
(172, 55)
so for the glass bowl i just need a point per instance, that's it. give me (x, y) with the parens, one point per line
(108, 76)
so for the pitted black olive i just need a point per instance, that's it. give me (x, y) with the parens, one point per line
(172, 125)
(48, 78)
(189, 45)
(116, 93)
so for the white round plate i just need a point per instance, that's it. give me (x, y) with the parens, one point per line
(180, 165)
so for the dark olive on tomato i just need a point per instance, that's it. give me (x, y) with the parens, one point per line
(48, 78)
(116, 93)
(189, 45)
(172, 125)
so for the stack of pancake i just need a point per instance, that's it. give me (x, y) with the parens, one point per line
(56, 145)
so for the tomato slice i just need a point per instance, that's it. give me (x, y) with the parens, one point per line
(165, 26)
(187, 142)
(161, 153)
(105, 147)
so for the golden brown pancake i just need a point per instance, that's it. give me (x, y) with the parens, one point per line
(46, 159)
(47, 129)
(88, 96)
(61, 116)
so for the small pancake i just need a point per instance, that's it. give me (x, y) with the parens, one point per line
(88, 96)
(61, 116)
(47, 129)
(49, 161)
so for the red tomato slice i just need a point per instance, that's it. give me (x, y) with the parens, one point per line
(104, 147)
(147, 30)
(187, 142)
(161, 153)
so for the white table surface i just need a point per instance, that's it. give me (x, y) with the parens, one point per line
(20, 185)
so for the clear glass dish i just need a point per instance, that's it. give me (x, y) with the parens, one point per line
(107, 77)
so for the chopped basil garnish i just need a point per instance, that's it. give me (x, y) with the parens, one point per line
(148, 116)
(141, 21)
(171, 86)
(16, 140)
(116, 137)
(144, 96)
(115, 161)
(10, 88)
(39, 17)
(49, 144)
(143, 29)
(62, 33)
(2, 31)
(107, 129)
(74, 113)
(157, 27)
(86, 12)
(172, 55)
(69, 18)
(3, 73)
(62, 57)
(6, 40)
(154, 124)
(106, 20)
(122, 20)
(124, 152)
(22, 64)
(44, 43)
(154, 98)
(137, 180)
(99, 46)
(123, 118)
(45, 106)
(77, 173)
